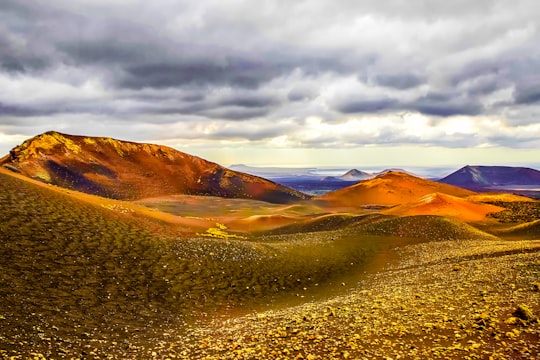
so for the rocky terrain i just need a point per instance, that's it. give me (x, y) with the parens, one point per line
(126, 170)
(394, 267)
(470, 299)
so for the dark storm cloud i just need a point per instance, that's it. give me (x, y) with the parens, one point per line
(131, 54)
(254, 132)
(528, 95)
(300, 94)
(238, 70)
(433, 103)
(484, 86)
(366, 105)
(446, 104)
(399, 81)
(249, 101)
(476, 69)
(234, 113)
(12, 64)
(163, 63)
(12, 110)
(237, 105)
(106, 51)
(14, 60)
(516, 69)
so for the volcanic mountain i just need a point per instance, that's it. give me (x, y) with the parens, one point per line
(390, 188)
(355, 175)
(478, 177)
(445, 205)
(127, 170)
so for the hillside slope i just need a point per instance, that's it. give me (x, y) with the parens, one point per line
(427, 227)
(476, 177)
(445, 205)
(127, 170)
(390, 188)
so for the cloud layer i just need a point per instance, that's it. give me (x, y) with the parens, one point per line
(314, 74)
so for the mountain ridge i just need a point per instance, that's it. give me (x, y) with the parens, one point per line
(479, 176)
(445, 205)
(390, 188)
(128, 170)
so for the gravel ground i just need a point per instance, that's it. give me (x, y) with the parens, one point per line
(472, 299)
(475, 299)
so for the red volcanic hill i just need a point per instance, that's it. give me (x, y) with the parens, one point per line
(127, 170)
(390, 188)
(445, 205)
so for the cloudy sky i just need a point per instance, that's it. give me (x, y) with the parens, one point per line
(349, 82)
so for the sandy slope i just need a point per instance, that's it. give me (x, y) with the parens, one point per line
(391, 188)
(445, 205)
(130, 209)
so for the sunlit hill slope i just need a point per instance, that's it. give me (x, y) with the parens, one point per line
(391, 188)
(127, 170)
(446, 205)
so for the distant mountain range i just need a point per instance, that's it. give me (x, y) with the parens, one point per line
(127, 170)
(310, 173)
(351, 175)
(272, 171)
(525, 181)
(485, 177)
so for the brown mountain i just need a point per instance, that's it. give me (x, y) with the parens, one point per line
(128, 170)
(478, 177)
(390, 188)
(445, 205)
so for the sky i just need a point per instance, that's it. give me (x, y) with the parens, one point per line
(287, 83)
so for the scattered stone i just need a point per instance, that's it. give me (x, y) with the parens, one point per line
(512, 320)
(523, 312)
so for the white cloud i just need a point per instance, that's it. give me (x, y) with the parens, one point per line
(307, 75)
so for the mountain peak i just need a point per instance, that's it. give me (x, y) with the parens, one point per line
(355, 174)
(476, 177)
(390, 188)
(445, 205)
(129, 170)
(396, 174)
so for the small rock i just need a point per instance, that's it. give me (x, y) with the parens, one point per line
(523, 312)
(512, 320)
